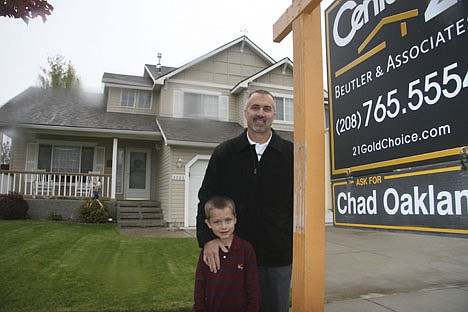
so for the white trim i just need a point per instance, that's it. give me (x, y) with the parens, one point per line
(147, 190)
(149, 73)
(162, 132)
(201, 92)
(187, 182)
(246, 82)
(113, 85)
(266, 85)
(146, 134)
(115, 144)
(190, 143)
(283, 122)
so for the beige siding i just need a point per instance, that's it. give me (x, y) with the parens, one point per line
(113, 104)
(163, 181)
(18, 150)
(176, 202)
(278, 78)
(166, 99)
(217, 74)
(228, 67)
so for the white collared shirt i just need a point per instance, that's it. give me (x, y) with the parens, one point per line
(259, 148)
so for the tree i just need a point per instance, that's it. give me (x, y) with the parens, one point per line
(25, 9)
(60, 74)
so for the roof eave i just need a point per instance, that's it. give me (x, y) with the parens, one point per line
(152, 135)
(191, 143)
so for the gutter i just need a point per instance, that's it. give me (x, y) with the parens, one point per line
(191, 143)
(98, 132)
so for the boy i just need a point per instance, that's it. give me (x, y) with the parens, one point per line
(235, 286)
(97, 189)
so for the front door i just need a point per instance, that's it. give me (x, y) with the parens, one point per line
(137, 175)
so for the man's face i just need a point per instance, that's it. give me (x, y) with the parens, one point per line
(260, 113)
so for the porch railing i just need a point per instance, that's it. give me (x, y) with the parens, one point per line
(53, 184)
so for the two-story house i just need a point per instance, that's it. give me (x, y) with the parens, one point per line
(149, 137)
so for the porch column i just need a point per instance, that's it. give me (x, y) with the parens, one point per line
(114, 168)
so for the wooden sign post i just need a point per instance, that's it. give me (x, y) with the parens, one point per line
(303, 18)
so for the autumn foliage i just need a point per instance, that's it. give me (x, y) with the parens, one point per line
(25, 9)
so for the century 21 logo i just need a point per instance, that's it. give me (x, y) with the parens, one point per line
(360, 16)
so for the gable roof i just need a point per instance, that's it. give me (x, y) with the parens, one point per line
(286, 62)
(244, 40)
(127, 80)
(61, 109)
(154, 72)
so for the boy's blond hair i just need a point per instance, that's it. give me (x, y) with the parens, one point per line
(219, 202)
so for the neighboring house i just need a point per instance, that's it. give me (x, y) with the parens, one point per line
(147, 137)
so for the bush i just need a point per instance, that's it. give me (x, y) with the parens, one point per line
(93, 211)
(13, 206)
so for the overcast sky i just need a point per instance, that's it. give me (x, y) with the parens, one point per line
(121, 36)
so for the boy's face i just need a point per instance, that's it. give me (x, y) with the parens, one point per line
(222, 222)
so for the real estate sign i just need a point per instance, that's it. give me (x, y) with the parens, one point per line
(427, 200)
(397, 82)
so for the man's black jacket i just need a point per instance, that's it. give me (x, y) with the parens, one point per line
(262, 191)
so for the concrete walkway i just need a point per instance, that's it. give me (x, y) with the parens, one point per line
(385, 271)
(369, 270)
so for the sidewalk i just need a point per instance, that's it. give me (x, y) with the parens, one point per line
(385, 271)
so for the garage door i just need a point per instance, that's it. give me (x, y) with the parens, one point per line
(196, 174)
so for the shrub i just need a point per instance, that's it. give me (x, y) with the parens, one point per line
(13, 206)
(93, 211)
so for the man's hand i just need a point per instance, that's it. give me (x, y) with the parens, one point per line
(211, 254)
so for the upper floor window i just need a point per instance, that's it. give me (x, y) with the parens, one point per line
(201, 105)
(128, 98)
(284, 109)
(144, 100)
(133, 98)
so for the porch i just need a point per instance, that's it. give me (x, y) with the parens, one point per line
(58, 185)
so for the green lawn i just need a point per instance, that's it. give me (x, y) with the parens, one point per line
(55, 266)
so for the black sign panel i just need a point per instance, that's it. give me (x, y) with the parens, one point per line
(427, 200)
(397, 81)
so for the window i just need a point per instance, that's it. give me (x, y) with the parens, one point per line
(201, 105)
(133, 98)
(284, 109)
(62, 158)
(144, 100)
(128, 98)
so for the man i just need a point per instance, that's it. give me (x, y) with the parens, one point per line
(255, 169)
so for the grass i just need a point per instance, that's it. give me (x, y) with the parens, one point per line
(55, 266)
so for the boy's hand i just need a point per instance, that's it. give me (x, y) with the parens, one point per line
(211, 254)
